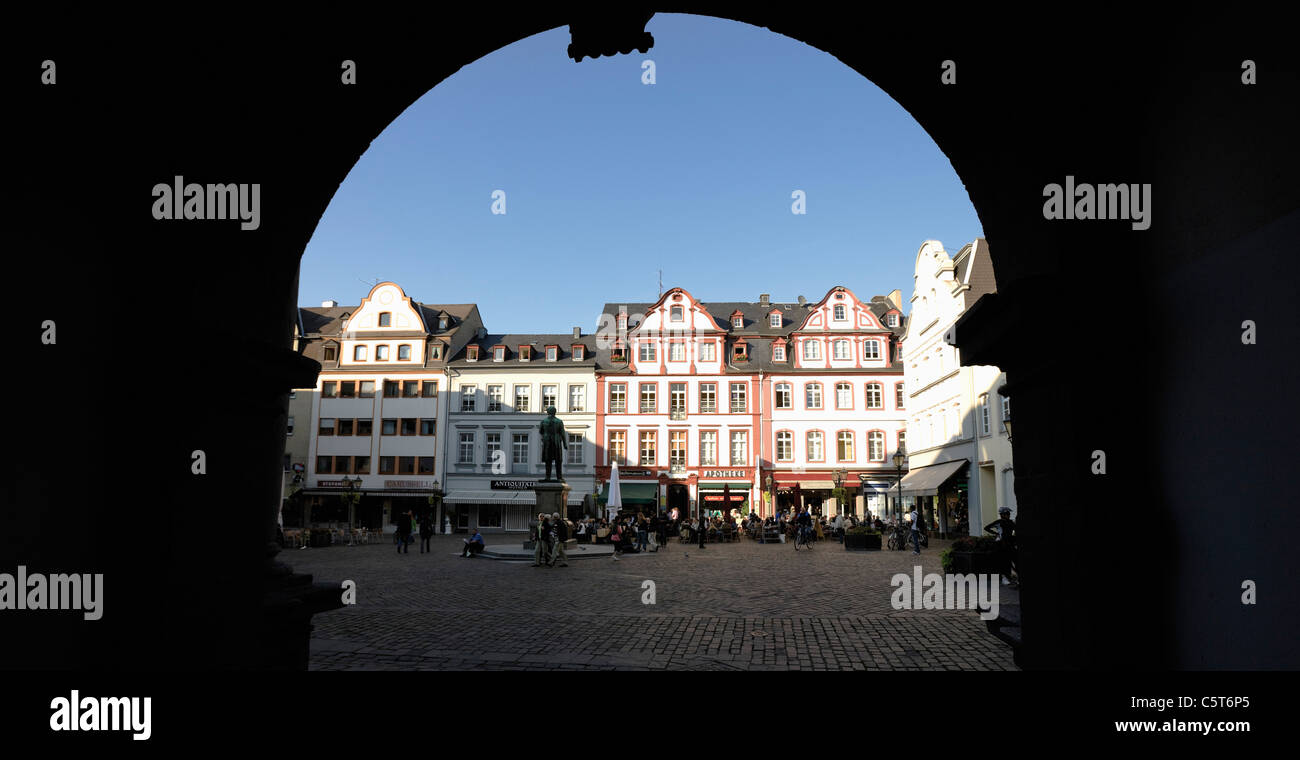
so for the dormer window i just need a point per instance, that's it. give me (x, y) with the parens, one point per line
(471, 354)
(619, 352)
(891, 320)
(839, 312)
(435, 351)
(778, 353)
(525, 353)
(774, 320)
(552, 353)
(499, 354)
(385, 319)
(740, 352)
(442, 323)
(738, 322)
(330, 354)
(677, 314)
(579, 352)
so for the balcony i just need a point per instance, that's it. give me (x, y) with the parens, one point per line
(677, 414)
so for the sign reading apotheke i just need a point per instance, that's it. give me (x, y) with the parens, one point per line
(723, 474)
(513, 485)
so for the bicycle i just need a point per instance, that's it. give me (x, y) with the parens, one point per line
(803, 538)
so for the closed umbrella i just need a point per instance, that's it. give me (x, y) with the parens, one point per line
(615, 501)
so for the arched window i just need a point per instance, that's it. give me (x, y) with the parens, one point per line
(875, 399)
(844, 446)
(841, 348)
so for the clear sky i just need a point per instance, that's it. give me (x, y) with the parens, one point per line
(608, 180)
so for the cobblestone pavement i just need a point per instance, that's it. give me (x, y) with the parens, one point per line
(739, 606)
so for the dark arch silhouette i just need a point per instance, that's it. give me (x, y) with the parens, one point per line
(1112, 340)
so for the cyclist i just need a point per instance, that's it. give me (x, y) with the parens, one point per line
(804, 521)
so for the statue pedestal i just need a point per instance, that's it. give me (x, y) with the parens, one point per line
(552, 497)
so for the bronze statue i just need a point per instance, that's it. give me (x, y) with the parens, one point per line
(554, 442)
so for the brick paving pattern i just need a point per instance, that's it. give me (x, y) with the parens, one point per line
(739, 606)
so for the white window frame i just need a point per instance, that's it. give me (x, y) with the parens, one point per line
(808, 390)
(788, 397)
(739, 445)
(708, 352)
(467, 454)
(778, 353)
(469, 398)
(812, 350)
(576, 454)
(875, 446)
(578, 394)
(840, 350)
(820, 448)
(784, 446)
(490, 446)
(774, 320)
(646, 351)
(555, 397)
(708, 448)
(871, 350)
(839, 313)
(879, 397)
(525, 397)
(676, 352)
(496, 401)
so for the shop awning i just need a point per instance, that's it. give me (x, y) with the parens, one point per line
(925, 481)
(634, 494)
(816, 485)
(489, 497)
(739, 485)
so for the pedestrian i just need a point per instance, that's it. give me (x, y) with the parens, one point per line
(642, 533)
(915, 518)
(615, 538)
(702, 528)
(403, 523)
(1005, 529)
(426, 532)
(559, 534)
(541, 539)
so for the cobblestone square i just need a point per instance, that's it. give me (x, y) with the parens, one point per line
(738, 606)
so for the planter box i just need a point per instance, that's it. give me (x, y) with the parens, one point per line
(862, 543)
(977, 562)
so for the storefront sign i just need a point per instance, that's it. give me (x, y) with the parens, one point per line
(331, 484)
(513, 485)
(723, 474)
(408, 484)
(635, 473)
(718, 497)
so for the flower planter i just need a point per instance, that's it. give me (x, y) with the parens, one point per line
(976, 562)
(865, 542)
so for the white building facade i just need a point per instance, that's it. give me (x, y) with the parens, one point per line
(959, 455)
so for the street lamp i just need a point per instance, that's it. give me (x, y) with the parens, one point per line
(1006, 425)
(771, 491)
(900, 456)
(862, 478)
(837, 477)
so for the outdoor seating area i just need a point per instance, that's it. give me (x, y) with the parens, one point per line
(298, 538)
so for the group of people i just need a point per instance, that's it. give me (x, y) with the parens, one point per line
(549, 535)
(412, 523)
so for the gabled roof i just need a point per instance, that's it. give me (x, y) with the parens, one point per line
(539, 341)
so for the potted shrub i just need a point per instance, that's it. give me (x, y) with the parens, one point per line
(862, 538)
(973, 554)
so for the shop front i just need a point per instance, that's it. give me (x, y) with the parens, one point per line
(497, 505)
(939, 490)
(638, 496)
(719, 498)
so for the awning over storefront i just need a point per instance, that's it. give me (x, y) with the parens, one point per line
(816, 485)
(634, 494)
(488, 497)
(925, 481)
(740, 485)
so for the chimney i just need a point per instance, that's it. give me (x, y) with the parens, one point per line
(896, 298)
(577, 333)
(330, 304)
(763, 299)
(803, 301)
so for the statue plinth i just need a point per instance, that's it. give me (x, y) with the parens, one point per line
(552, 496)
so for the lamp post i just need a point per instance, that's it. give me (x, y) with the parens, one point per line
(899, 457)
(862, 478)
(837, 477)
(771, 492)
(1006, 425)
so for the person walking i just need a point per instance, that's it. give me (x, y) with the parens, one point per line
(404, 533)
(559, 534)
(1005, 529)
(426, 532)
(702, 528)
(915, 519)
(642, 533)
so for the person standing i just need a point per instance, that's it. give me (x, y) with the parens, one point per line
(702, 528)
(426, 532)
(642, 533)
(559, 534)
(404, 533)
(915, 519)
(1005, 529)
(541, 537)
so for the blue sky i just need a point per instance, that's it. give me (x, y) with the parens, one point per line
(608, 180)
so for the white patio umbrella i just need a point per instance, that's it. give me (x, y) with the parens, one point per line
(615, 501)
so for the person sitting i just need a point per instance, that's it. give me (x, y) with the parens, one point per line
(473, 545)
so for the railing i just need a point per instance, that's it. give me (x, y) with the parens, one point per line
(677, 414)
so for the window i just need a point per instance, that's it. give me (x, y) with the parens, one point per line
(324, 465)
(677, 448)
(774, 320)
(579, 353)
(499, 354)
(404, 352)
(844, 446)
(577, 398)
(738, 400)
(468, 398)
(1006, 410)
(739, 448)
(429, 389)
(424, 465)
(442, 323)
(871, 349)
(677, 400)
(575, 455)
(784, 396)
(740, 352)
(381, 353)
(839, 312)
(346, 427)
(361, 465)
(406, 465)
(330, 354)
(359, 354)
(366, 427)
(347, 389)
(708, 398)
(813, 394)
(435, 351)
(366, 389)
(288, 429)
(326, 426)
(329, 389)
(618, 446)
(841, 348)
(523, 395)
(392, 389)
(550, 397)
(519, 449)
(409, 425)
(784, 446)
(388, 427)
(677, 314)
(812, 350)
(984, 414)
(525, 353)
(467, 448)
(902, 440)
(815, 453)
(471, 354)
(778, 353)
(892, 320)
(875, 396)
(618, 397)
(898, 352)
(898, 396)
(342, 465)
(410, 389)
(708, 448)
(677, 352)
(647, 352)
(737, 322)
(492, 449)
(387, 465)
(876, 446)
(649, 403)
(708, 352)
(428, 427)
(843, 396)
(552, 353)
(495, 397)
(385, 319)
(648, 440)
